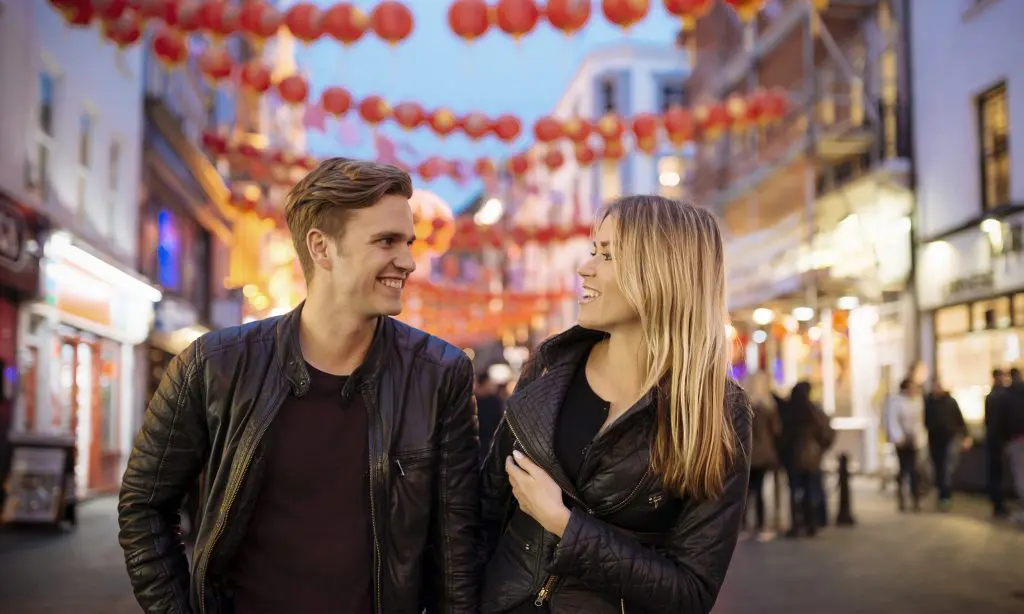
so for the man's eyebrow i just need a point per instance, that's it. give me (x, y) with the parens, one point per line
(391, 234)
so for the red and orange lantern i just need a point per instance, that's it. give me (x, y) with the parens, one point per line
(409, 115)
(625, 13)
(255, 77)
(613, 151)
(547, 129)
(517, 18)
(518, 165)
(374, 110)
(305, 21)
(568, 16)
(124, 31)
(469, 19)
(554, 159)
(169, 47)
(336, 101)
(483, 167)
(585, 155)
(293, 89)
(476, 125)
(746, 9)
(216, 64)
(689, 11)
(507, 128)
(443, 122)
(678, 124)
(391, 21)
(576, 129)
(610, 127)
(259, 21)
(218, 18)
(345, 23)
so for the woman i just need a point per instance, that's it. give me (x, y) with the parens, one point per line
(766, 431)
(807, 435)
(616, 482)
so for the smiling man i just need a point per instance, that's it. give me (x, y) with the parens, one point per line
(338, 446)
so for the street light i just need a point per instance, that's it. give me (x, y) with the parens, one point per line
(490, 213)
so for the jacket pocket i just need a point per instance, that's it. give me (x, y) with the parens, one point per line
(416, 461)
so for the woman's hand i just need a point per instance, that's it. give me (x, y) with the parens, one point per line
(537, 493)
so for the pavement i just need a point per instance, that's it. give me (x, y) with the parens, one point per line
(926, 563)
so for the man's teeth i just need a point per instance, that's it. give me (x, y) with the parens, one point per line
(392, 283)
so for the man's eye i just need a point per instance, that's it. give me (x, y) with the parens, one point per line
(388, 242)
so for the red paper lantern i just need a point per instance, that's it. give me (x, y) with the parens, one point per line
(391, 21)
(625, 13)
(568, 16)
(76, 13)
(736, 109)
(443, 121)
(547, 129)
(613, 151)
(124, 31)
(678, 125)
(610, 127)
(746, 9)
(409, 115)
(518, 165)
(517, 18)
(259, 20)
(345, 23)
(187, 18)
(108, 10)
(645, 126)
(507, 128)
(170, 48)
(218, 18)
(215, 144)
(216, 64)
(756, 106)
(305, 22)
(293, 89)
(158, 10)
(255, 77)
(712, 119)
(689, 11)
(647, 144)
(476, 125)
(374, 110)
(584, 154)
(776, 104)
(469, 19)
(431, 168)
(554, 159)
(576, 129)
(336, 101)
(483, 167)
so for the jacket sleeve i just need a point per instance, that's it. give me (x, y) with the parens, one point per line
(166, 460)
(684, 575)
(457, 508)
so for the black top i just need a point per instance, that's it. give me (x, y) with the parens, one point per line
(308, 547)
(579, 421)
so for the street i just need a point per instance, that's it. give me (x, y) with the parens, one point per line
(927, 563)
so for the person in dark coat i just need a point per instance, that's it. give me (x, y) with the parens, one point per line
(947, 434)
(766, 429)
(806, 436)
(490, 407)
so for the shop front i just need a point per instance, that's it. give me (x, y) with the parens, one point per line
(79, 359)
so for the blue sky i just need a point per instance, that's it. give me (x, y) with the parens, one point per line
(435, 68)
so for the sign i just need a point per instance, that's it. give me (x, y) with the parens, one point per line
(78, 293)
(37, 484)
(13, 236)
(970, 285)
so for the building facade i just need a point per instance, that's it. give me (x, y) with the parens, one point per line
(624, 80)
(970, 200)
(72, 117)
(816, 204)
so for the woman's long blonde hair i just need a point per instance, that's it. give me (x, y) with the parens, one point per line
(670, 266)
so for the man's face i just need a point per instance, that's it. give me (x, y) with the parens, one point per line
(365, 271)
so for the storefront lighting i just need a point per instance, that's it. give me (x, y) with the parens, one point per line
(759, 336)
(848, 303)
(763, 316)
(991, 226)
(490, 213)
(669, 179)
(803, 314)
(60, 248)
(730, 331)
(814, 333)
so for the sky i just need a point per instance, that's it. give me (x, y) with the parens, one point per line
(435, 68)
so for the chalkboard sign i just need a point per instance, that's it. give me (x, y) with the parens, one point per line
(40, 483)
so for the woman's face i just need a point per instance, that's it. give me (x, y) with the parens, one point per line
(603, 306)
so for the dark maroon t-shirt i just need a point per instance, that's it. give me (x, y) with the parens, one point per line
(309, 545)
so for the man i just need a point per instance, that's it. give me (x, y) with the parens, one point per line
(338, 446)
(996, 406)
(905, 423)
(947, 434)
(1012, 430)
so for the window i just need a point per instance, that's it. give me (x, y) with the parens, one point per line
(113, 185)
(994, 126)
(671, 174)
(85, 125)
(608, 96)
(672, 94)
(39, 175)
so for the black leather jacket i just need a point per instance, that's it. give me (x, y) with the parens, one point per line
(209, 415)
(630, 545)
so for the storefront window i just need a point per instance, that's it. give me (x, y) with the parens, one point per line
(168, 251)
(108, 381)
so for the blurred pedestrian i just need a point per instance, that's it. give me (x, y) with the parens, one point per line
(997, 404)
(1013, 433)
(905, 428)
(947, 435)
(766, 429)
(806, 437)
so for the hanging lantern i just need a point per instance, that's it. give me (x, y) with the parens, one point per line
(391, 21)
(431, 168)
(647, 144)
(547, 129)
(215, 144)
(746, 9)
(469, 19)
(336, 101)
(736, 110)
(170, 48)
(165, 11)
(259, 20)
(610, 127)
(645, 126)
(585, 156)
(345, 23)
(712, 120)
(776, 105)
(374, 110)
(293, 89)
(215, 63)
(218, 18)
(507, 128)
(518, 165)
(625, 13)
(476, 125)
(678, 125)
(613, 151)
(443, 121)
(756, 106)
(76, 13)
(568, 16)
(554, 159)
(409, 115)
(124, 31)
(517, 18)
(483, 167)
(305, 22)
(109, 10)
(187, 18)
(255, 77)
(576, 129)
(689, 11)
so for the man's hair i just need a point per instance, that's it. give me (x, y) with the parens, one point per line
(998, 374)
(483, 378)
(905, 384)
(1015, 374)
(325, 198)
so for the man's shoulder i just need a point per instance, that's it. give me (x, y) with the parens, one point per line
(233, 337)
(425, 348)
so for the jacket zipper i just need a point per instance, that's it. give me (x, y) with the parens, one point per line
(373, 509)
(227, 510)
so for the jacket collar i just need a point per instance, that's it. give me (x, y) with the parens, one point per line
(293, 365)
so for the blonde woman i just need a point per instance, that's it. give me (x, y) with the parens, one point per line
(617, 479)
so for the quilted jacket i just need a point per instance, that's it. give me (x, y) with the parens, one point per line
(630, 545)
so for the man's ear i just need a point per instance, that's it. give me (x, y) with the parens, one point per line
(319, 246)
